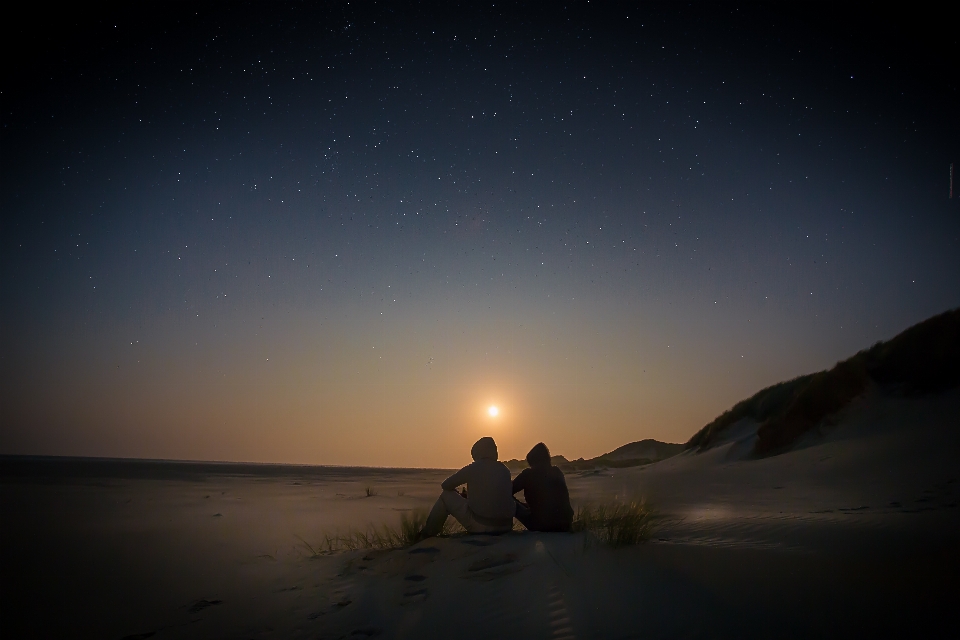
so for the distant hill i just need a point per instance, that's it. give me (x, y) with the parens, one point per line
(629, 455)
(922, 359)
(649, 449)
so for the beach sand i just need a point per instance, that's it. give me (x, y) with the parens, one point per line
(853, 533)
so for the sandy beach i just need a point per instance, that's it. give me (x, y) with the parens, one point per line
(853, 533)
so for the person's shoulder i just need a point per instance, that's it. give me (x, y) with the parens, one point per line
(467, 469)
(503, 466)
(487, 464)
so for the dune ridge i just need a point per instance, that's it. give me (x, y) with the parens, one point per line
(922, 359)
(633, 454)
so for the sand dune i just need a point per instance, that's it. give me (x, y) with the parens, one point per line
(853, 532)
(633, 454)
(644, 449)
(922, 360)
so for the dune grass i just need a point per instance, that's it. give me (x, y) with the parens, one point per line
(383, 536)
(823, 395)
(373, 537)
(923, 359)
(761, 406)
(615, 524)
(371, 491)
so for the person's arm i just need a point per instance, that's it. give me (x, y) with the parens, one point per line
(520, 481)
(457, 479)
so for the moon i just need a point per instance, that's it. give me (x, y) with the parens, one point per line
(493, 411)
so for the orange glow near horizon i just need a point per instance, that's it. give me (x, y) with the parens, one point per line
(286, 395)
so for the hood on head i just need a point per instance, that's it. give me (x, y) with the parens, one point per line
(484, 449)
(539, 456)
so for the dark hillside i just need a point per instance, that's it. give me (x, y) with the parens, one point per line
(923, 359)
(650, 449)
(633, 454)
(760, 407)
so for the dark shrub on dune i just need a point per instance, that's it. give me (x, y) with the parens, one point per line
(760, 407)
(821, 395)
(923, 359)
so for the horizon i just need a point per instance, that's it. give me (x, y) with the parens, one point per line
(33, 457)
(335, 465)
(255, 462)
(339, 236)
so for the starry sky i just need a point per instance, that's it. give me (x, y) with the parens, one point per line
(336, 234)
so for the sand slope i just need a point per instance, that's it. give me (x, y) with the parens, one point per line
(853, 533)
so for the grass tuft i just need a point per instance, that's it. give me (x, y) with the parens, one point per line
(616, 524)
(371, 491)
(375, 537)
(411, 522)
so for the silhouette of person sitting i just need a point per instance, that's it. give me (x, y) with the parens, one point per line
(544, 488)
(487, 506)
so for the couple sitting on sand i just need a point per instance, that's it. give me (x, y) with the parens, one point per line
(488, 506)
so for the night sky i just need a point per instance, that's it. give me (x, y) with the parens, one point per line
(337, 234)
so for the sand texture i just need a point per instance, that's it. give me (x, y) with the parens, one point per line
(853, 533)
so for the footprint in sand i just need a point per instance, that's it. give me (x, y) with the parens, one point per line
(560, 628)
(430, 550)
(336, 606)
(415, 596)
(493, 567)
(202, 604)
(478, 543)
(494, 561)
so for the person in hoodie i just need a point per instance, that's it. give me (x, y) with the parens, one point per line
(547, 505)
(487, 506)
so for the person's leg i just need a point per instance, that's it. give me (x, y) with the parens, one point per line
(450, 503)
(438, 515)
(456, 506)
(523, 515)
(453, 504)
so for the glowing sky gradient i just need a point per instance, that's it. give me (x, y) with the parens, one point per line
(337, 235)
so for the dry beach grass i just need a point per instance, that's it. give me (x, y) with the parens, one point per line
(614, 524)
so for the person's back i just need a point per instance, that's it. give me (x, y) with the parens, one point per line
(488, 506)
(488, 488)
(545, 492)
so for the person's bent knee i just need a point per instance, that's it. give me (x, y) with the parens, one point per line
(451, 499)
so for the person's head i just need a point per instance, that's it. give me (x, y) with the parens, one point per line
(539, 456)
(484, 449)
